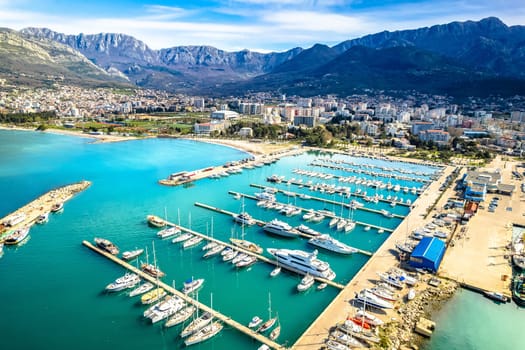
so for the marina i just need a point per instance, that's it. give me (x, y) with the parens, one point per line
(227, 320)
(125, 226)
(262, 223)
(247, 252)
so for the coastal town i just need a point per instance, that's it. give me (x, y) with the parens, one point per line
(419, 266)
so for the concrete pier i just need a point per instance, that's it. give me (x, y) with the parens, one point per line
(27, 215)
(262, 223)
(228, 320)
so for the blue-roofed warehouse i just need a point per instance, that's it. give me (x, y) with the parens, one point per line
(428, 254)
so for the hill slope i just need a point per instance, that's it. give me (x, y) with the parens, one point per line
(42, 62)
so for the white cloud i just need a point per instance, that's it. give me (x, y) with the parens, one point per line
(269, 26)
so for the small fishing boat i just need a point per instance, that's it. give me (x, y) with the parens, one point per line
(255, 321)
(43, 218)
(57, 207)
(155, 221)
(322, 286)
(275, 271)
(17, 237)
(306, 282)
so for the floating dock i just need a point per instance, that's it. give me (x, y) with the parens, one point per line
(27, 215)
(228, 320)
(262, 223)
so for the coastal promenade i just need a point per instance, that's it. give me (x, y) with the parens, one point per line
(316, 334)
(483, 242)
(26, 215)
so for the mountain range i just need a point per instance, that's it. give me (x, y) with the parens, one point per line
(460, 58)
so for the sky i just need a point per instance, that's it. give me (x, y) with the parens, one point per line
(258, 25)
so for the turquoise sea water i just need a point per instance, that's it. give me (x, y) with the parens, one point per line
(52, 286)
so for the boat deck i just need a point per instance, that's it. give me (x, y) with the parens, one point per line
(228, 320)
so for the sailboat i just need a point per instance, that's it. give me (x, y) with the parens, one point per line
(271, 321)
(244, 244)
(276, 331)
(152, 269)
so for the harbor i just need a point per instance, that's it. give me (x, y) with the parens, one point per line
(382, 260)
(120, 218)
(228, 320)
(51, 201)
(245, 251)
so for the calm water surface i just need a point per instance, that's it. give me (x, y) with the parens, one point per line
(52, 286)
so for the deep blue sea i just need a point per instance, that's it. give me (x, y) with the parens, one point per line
(52, 287)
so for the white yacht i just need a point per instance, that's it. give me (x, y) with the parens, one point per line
(204, 334)
(168, 232)
(329, 243)
(192, 242)
(243, 218)
(303, 261)
(191, 285)
(127, 281)
(164, 309)
(180, 316)
(370, 299)
(143, 288)
(306, 282)
(307, 230)
(280, 228)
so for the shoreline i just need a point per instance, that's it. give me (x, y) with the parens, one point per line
(96, 138)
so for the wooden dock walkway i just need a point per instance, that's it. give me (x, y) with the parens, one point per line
(228, 320)
(262, 223)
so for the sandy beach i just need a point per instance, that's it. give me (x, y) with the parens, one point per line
(96, 138)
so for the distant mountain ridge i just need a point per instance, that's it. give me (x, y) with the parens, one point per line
(186, 65)
(456, 58)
